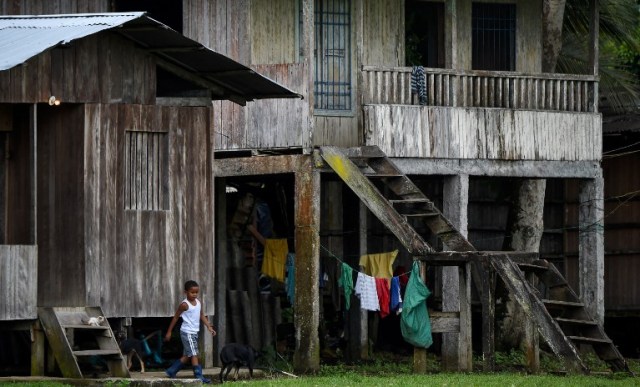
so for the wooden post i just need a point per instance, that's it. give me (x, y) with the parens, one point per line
(465, 359)
(307, 267)
(307, 47)
(591, 246)
(531, 339)
(37, 349)
(455, 203)
(488, 315)
(594, 48)
(221, 267)
(363, 314)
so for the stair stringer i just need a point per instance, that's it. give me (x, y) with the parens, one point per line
(533, 307)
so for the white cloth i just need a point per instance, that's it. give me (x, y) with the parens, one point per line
(366, 290)
(191, 318)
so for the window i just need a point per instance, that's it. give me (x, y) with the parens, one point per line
(494, 37)
(424, 24)
(146, 171)
(332, 87)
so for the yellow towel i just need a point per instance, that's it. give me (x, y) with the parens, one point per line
(379, 265)
(275, 257)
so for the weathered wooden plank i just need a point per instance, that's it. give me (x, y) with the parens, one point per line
(18, 282)
(461, 133)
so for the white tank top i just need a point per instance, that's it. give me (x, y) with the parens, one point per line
(191, 318)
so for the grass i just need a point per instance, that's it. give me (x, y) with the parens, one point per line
(396, 371)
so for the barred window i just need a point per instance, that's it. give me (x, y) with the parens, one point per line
(332, 86)
(494, 37)
(146, 171)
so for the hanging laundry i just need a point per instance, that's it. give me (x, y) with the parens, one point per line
(275, 255)
(396, 297)
(379, 265)
(419, 84)
(382, 287)
(414, 322)
(366, 290)
(290, 283)
(346, 281)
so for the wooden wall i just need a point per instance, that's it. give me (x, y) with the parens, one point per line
(46, 7)
(274, 31)
(467, 133)
(137, 261)
(99, 68)
(222, 25)
(18, 282)
(61, 237)
(18, 224)
(272, 123)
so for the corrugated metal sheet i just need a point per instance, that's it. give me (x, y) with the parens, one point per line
(23, 37)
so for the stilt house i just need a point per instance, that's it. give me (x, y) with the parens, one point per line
(417, 116)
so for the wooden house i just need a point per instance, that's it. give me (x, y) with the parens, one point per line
(107, 142)
(483, 112)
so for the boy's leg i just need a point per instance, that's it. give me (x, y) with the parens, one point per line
(177, 365)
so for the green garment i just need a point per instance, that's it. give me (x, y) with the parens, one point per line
(414, 322)
(346, 281)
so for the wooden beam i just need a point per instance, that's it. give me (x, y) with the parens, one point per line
(259, 165)
(459, 258)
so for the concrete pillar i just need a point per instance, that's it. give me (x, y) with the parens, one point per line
(306, 358)
(591, 246)
(456, 354)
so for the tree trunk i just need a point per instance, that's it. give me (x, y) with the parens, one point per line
(553, 15)
(524, 233)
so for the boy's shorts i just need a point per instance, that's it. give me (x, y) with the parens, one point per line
(189, 343)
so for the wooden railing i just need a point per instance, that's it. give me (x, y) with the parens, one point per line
(457, 88)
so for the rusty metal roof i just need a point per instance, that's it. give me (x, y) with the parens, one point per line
(23, 37)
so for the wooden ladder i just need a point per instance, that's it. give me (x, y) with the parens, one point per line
(72, 339)
(562, 321)
(567, 312)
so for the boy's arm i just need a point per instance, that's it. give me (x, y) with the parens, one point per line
(205, 321)
(181, 308)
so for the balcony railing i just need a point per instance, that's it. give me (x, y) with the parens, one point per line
(457, 88)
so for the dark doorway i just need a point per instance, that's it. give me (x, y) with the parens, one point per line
(424, 33)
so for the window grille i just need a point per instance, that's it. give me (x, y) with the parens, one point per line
(146, 171)
(332, 85)
(494, 37)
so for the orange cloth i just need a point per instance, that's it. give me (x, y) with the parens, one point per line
(379, 265)
(275, 257)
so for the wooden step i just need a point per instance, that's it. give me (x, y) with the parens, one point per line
(590, 340)
(533, 268)
(382, 175)
(422, 215)
(561, 304)
(97, 352)
(83, 326)
(575, 322)
(409, 201)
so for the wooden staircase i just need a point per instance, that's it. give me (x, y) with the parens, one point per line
(562, 319)
(73, 341)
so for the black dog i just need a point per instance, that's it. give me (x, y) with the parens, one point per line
(237, 355)
(131, 348)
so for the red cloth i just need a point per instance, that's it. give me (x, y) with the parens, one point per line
(401, 273)
(382, 287)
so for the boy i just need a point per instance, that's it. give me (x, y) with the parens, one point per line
(191, 312)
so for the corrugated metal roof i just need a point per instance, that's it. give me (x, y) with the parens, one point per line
(23, 37)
